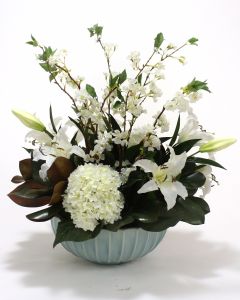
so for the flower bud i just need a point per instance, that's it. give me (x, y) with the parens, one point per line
(29, 120)
(217, 145)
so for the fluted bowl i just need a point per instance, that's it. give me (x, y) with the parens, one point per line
(114, 247)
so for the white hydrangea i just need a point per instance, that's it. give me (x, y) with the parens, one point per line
(92, 195)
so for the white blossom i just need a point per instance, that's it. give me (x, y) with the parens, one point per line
(57, 57)
(120, 138)
(154, 91)
(162, 122)
(164, 177)
(195, 96)
(180, 102)
(93, 195)
(134, 57)
(109, 49)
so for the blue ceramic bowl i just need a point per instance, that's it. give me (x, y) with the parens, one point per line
(114, 247)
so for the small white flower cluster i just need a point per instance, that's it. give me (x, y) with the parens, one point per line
(92, 195)
(134, 57)
(181, 102)
(57, 58)
(162, 122)
(109, 49)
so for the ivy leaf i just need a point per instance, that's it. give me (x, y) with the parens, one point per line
(193, 41)
(66, 231)
(185, 146)
(175, 134)
(91, 91)
(158, 40)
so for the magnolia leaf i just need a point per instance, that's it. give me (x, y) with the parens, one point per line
(60, 170)
(58, 191)
(25, 167)
(17, 179)
(45, 214)
(31, 194)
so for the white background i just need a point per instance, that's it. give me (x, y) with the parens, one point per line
(192, 262)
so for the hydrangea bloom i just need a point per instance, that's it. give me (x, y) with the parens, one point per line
(92, 195)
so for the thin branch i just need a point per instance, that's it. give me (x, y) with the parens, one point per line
(173, 52)
(70, 76)
(158, 117)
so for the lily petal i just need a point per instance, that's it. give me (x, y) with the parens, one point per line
(180, 188)
(169, 192)
(147, 165)
(148, 187)
(176, 163)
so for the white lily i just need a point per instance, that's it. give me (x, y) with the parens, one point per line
(191, 130)
(164, 177)
(60, 146)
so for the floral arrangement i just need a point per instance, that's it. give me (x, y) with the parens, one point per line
(101, 168)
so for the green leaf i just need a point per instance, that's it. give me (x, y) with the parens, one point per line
(161, 224)
(114, 123)
(33, 42)
(119, 224)
(95, 30)
(51, 119)
(66, 231)
(194, 180)
(193, 212)
(175, 134)
(205, 161)
(133, 152)
(117, 104)
(147, 209)
(113, 81)
(193, 41)
(139, 79)
(119, 95)
(185, 146)
(165, 139)
(158, 40)
(91, 91)
(45, 214)
(196, 85)
(45, 67)
(122, 77)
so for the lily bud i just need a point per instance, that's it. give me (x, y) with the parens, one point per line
(29, 120)
(217, 145)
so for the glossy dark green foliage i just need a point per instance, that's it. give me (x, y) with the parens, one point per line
(205, 161)
(66, 231)
(185, 146)
(175, 134)
(45, 214)
(133, 152)
(194, 180)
